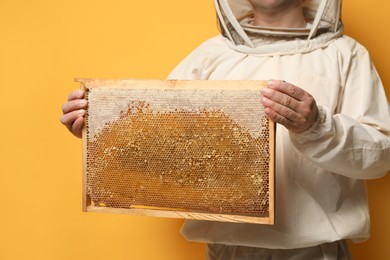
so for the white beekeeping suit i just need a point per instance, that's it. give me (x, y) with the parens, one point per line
(320, 173)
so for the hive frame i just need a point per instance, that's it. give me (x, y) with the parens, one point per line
(169, 213)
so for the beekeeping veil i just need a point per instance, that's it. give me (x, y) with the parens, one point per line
(323, 15)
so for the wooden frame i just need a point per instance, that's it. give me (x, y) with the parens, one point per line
(89, 206)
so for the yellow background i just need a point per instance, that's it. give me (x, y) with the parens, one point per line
(43, 46)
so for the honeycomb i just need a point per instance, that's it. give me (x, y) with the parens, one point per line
(197, 150)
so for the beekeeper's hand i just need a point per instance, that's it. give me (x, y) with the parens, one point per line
(289, 105)
(73, 112)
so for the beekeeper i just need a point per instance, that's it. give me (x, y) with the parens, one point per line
(333, 132)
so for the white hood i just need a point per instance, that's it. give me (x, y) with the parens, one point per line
(323, 15)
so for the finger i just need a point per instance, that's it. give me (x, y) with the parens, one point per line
(288, 89)
(275, 117)
(72, 105)
(280, 98)
(76, 94)
(278, 118)
(69, 118)
(282, 110)
(77, 127)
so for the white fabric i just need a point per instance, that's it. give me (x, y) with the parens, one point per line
(320, 188)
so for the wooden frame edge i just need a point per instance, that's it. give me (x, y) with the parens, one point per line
(168, 84)
(86, 201)
(272, 144)
(182, 215)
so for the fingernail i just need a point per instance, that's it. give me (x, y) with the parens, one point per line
(80, 93)
(81, 112)
(272, 82)
(265, 91)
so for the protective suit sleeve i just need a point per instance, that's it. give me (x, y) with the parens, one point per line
(355, 140)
